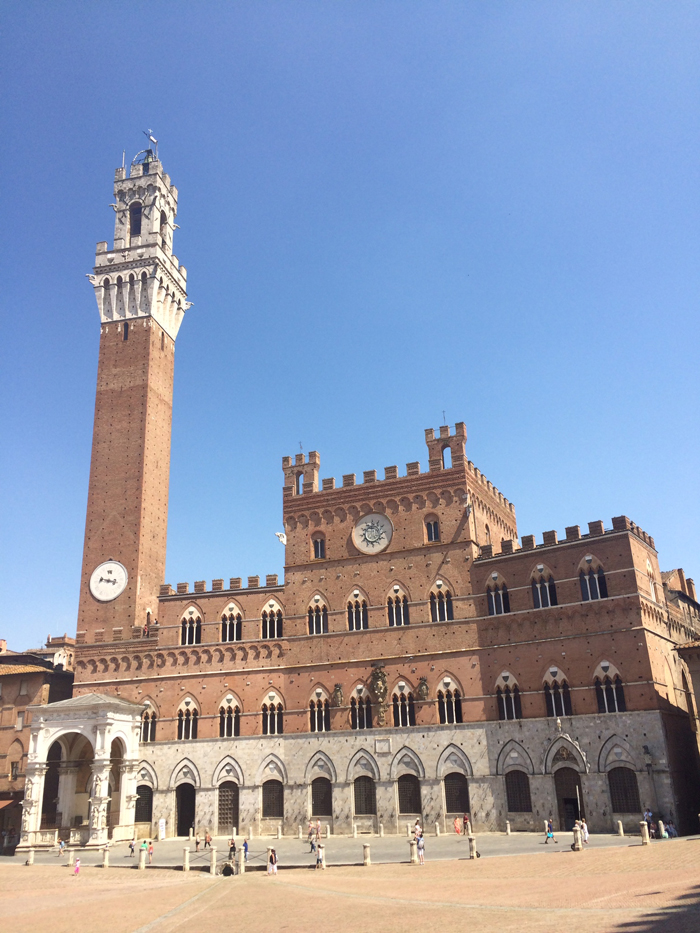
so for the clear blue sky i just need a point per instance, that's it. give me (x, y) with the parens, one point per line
(387, 210)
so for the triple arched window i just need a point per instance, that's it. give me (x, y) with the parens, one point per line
(229, 721)
(449, 706)
(318, 620)
(404, 709)
(509, 702)
(610, 695)
(191, 630)
(272, 624)
(319, 716)
(231, 627)
(544, 592)
(358, 617)
(187, 724)
(360, 713)
(148, 727)
(441, 606)
(499, 601)
(557, 698)
(593, 585)
(272, 719)
(397, 610)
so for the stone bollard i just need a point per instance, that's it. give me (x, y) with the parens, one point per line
(301, 834)
(645, 832)
(328, 830)
(30, 857)
(250, 832)
(234, 832)
(472, 846)
(142, 860)
(437, 828)
(661, 829)
(241, 861)
(279, 831)
(381, 829)
(71, 858)
(186, 858)
(366, 860)
(105, 857)
(507, 827)
(322, 853)
(620, 828)
(546, 825)
(469, 828)
(354, 831)
(212, 860)
(191, 832)
(408, 830)
(578, 839)
(413, 849)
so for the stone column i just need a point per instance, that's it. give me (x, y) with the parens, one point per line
(31, 805)
(67, 774)
(127, 800)
(99, 831)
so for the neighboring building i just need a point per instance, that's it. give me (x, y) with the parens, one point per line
(417, 661)
(25, 679)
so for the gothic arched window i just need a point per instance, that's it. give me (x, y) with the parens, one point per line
(187, 724)
(319, 716)
(449, 706)
(272, 624)
(397, 610)
(404, 709)
(191, 630)
(231, 627)
(360, 713)
(509, 703)
(499, 601)
(557, 698)
(229, 721)
(593, 585)
(441, 606)
(148, 727)
(358, 617)
(318, 620)
(432, 530)
(544, 592)
(610, 695)
(272, 719)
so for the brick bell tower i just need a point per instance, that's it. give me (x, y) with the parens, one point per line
(141, 299)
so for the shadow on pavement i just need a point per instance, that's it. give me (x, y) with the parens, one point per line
(683, 916)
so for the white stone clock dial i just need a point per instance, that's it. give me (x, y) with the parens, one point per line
(108, 580)
(372, 533)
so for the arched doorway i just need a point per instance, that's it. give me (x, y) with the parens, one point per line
(184, 808)
(321, 797)
(567, 783)
(228, 807)
(144, 804)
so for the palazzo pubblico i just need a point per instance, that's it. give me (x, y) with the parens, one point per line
(418, 661)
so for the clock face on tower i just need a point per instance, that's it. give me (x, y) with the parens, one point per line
(108, 580)
(372, 533)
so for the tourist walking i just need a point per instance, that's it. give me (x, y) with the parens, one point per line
(76, 870)
(420, 844)
(150, 851)
(584, 832)
(458, 826)
(272, 863)
(61, 847)
(245, 850)
(207, 839)
(196, 843)
(550, 832)
(232, 849)
(465, 823)
(132, 846)
(319, 857)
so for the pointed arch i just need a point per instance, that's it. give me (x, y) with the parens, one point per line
(320, 765)
(362, 764)
(406, 761)
(507, 760)
(564, 752)
(616, 750)
(185, 772)
(271, 768)
(453, 758)
(146, 774)
(228, 769)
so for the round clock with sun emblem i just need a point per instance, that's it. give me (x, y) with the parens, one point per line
(108, 581)
(372, 533)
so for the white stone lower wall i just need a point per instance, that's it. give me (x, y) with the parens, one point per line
(482, 751)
